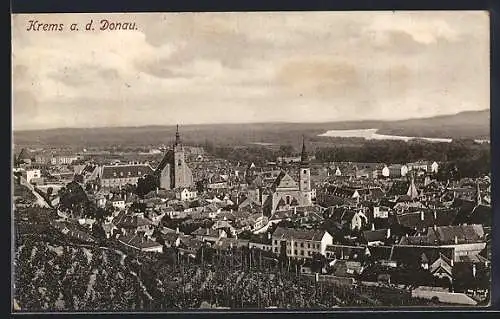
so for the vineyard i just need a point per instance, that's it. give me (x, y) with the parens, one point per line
(51, 276)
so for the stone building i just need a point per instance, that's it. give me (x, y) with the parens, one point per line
(173, 171)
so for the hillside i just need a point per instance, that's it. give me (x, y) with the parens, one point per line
(474, 125)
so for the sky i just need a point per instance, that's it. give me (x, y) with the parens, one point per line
(193, 68)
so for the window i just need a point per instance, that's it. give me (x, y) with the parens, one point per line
(302, 253)
(308, 245)
(301, 245)
(304, 171)
(295, 244)
(295, 252)
(275, 249)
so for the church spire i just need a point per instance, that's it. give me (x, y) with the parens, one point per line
(478, 195)
(177, 136)
(304, 158)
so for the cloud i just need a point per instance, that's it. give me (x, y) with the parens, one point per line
(240, 67)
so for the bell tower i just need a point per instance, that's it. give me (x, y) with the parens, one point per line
(182, 174)
(305, 177)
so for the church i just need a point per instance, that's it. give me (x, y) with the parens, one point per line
(286, 192)
(173, 171)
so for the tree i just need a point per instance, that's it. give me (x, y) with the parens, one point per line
(146, 184)
(286, 150)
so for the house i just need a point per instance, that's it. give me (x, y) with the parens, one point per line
(346, 268)
(118, 202)
(380, 212)
(186, 194)
(209, 235)
(430, 167)
(32, 174)
(132, 224)
(376, 237)
(109, 229)
(346, 252)
(386, 171)
(229, 243)
(120, 175)
(141, 242)
(300, 243)
(73, 230)
(63, 159)
(354, 218)
(466, 240)
(398, 170)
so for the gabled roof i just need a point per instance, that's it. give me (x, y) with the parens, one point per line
(375, 235)
(129, 221)
(300, 234)
(125, 171)
(139, 241)
(412, 255)
(351, 252)
(207, 232)
(284, 181)
(462, 233)
(167, 159)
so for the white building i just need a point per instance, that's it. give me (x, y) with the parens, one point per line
(31, 174)
(186, 194)
(300, 243)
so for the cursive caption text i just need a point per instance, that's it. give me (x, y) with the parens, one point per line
(100, 25)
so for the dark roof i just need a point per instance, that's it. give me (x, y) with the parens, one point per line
(398, 188)
(350, 252)
(465, 209)
(208, 232)
(129, 221)
(462, 233)
(481, 214)
(412, 255)
(302, 234)
(138, 241)
(380, 252)
(167, 159)
(375, 235)
(125, 171)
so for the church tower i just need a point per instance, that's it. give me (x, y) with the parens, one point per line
(305, 177)
(182, 173)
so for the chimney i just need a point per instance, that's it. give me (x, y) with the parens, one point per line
(373, 226)
(456, 240)
(422, 217)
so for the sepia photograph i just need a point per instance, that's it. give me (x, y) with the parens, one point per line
(171, 162)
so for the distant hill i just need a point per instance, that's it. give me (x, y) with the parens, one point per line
(473, 125)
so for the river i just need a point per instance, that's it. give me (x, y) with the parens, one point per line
(372, 134)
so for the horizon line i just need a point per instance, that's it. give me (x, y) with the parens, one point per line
(242, 123)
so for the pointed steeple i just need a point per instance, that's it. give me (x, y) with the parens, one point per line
(478, 195)
(304, 158)
(412, 190)
(177, 136)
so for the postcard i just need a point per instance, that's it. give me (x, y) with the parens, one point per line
(250, 161)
